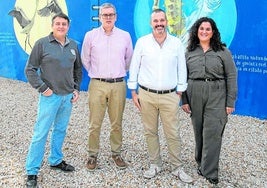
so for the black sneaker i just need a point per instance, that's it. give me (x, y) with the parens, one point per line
(31, 181)
(214, 181)
(64, 167)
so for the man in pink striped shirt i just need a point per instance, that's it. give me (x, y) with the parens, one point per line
(106, 55)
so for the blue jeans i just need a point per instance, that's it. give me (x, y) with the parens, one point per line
(53, 112)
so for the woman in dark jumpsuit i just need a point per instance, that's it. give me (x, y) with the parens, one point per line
(211, 93)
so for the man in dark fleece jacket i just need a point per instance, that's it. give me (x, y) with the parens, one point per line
(54, 68)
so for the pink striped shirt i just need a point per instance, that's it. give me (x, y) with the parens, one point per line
(106, 56)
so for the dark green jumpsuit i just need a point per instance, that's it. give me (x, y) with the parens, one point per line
(212, 86)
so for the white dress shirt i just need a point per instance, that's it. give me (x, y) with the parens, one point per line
(158, 67)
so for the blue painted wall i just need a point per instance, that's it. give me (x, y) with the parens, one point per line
(243, 26)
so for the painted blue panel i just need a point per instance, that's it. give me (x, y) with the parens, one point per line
(249, 52)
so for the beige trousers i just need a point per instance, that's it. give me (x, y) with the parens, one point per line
(166, 108)
(111, 97)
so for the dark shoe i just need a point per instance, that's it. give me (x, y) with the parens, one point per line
(91, 163)
(31, 181)
(213, 181)
(119, 162)
(64, 167)
(199, 171)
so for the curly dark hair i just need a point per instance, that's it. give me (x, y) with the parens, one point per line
(215, 42)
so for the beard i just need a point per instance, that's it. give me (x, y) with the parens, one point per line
(159, 29)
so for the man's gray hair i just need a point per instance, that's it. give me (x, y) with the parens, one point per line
(107, 5)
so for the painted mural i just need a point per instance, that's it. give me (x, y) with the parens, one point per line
(182, 14)
(33, 22)
(24, 21)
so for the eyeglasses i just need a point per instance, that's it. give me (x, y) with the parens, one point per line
(106, 16)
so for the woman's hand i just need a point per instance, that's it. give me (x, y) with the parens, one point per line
(229, 110)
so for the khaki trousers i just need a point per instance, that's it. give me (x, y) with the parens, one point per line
(165, 107)
(111, 97)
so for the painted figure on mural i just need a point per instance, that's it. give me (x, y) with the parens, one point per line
(158, 71)
(33, 22)
(106, 55)
(176, 19)
(181, 15)
(212, 71)
(54, 68)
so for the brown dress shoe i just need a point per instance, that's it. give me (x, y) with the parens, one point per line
(119, 162)
(91, 163)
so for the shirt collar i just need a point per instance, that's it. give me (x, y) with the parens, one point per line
(112, 31)
(166, 39)
(52, 38)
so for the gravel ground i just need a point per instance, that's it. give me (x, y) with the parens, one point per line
(243, 161)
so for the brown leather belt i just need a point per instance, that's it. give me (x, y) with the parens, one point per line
(110, 80)
(158, 91)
